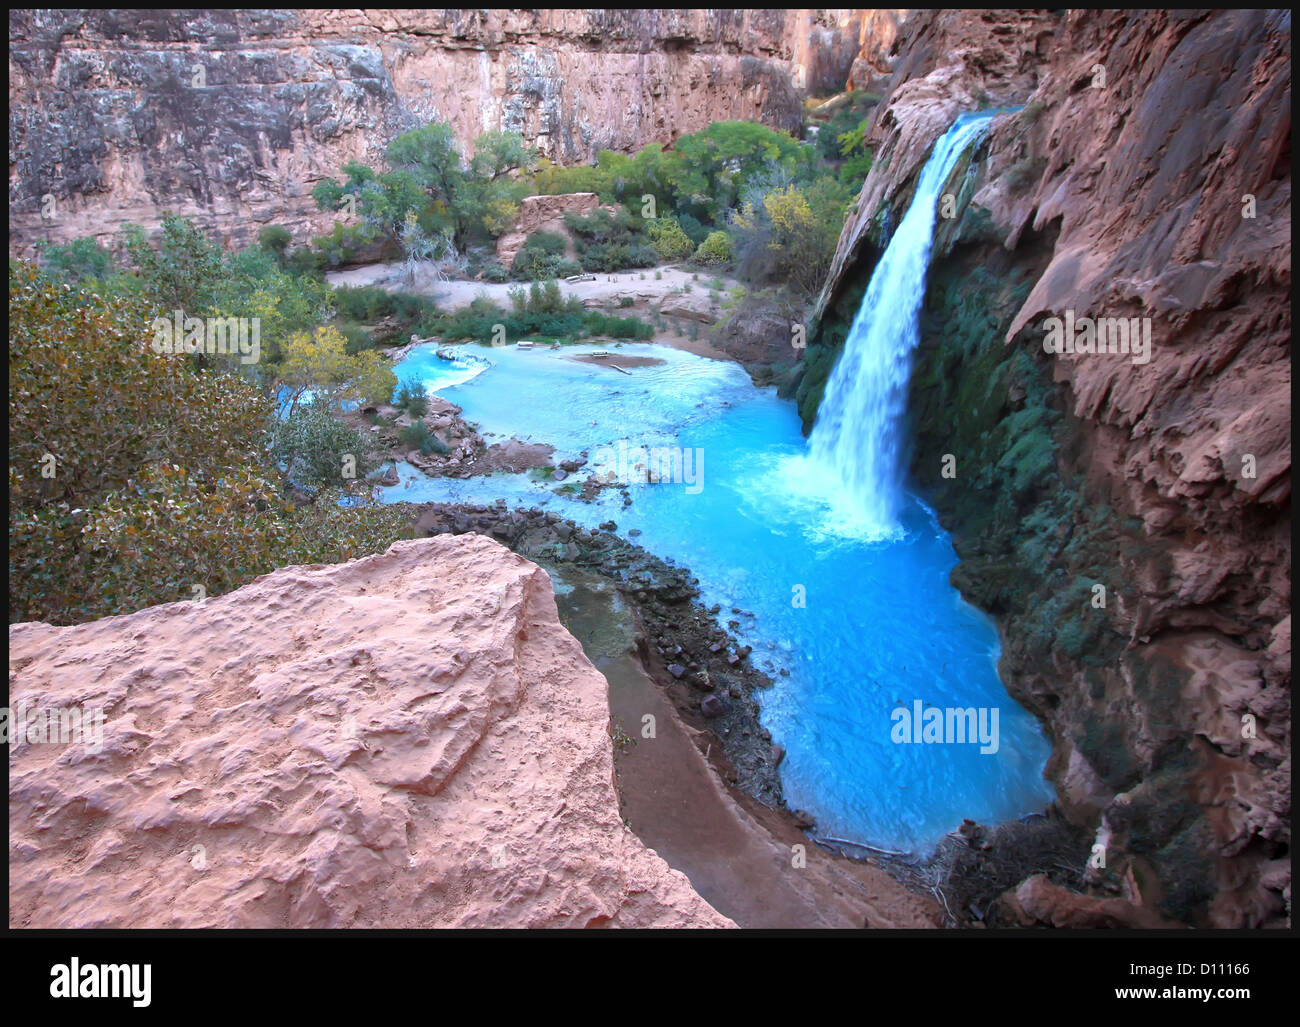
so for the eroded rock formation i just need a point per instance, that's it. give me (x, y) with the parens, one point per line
(1148, 176)
(232, 117)
(407, 740)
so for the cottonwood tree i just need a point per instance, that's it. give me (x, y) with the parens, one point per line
(318, 362)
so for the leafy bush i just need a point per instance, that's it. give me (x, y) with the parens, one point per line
(616, 327)
(358, 339)
(715, 250)
(618, 256)
(344, 244)
(135, 476)
(534, 265)
(416, 435)
(81, 260)
(412, 397)
(694, 230)
(670, 242)
(548, 242)
(275, 238)
(318, 451)
(318, 362)
(395, 316)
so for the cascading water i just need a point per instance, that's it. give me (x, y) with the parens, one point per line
(853, 631)
(858, 433)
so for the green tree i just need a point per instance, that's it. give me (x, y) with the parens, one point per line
(78, 261)
(318, 362)
(499, 153)
(316, 450)
(135, 476)
(717, 162)
(668, 239)
(430, 156)
(182, 271)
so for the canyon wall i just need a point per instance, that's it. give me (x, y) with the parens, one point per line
(232, 117)
(408, 740)
(1126, 522)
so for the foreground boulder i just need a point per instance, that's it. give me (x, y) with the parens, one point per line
(408, 740)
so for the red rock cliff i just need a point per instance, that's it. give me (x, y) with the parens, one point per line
(1147, 175)
(232, 117)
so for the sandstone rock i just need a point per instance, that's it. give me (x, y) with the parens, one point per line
(543, 214)
(293, 95)
(1039, 902)
(408, 740)
(691, 306)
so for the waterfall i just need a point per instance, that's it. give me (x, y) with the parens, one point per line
(858, 434)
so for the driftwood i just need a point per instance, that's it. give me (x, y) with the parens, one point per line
(860, 845)
(617, 368)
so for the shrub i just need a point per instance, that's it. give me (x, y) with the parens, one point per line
(694, 230)
(78, 261)
(161, 475)
(275, 238)
(358, 339)
(313, 449)
(412, 398)
(548, 242)
(670, 242)
(533, 265)
(416, 435)
(598, 323)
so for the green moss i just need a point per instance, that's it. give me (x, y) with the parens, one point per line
(1189, 874)
(1105, 746)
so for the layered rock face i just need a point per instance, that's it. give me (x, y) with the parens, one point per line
(835, 48)
(408, 740)
(1126, 520)
(232, 117)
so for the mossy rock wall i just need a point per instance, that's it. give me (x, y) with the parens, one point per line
(994, 448)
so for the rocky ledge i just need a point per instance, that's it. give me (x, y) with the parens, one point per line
(705, 669)
(407, 740)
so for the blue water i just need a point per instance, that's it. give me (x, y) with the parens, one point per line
(880, 626)
(845, 573)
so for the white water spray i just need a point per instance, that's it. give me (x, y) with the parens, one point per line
(859, 428)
